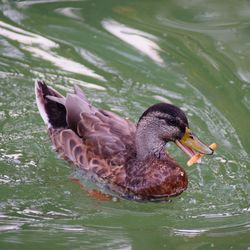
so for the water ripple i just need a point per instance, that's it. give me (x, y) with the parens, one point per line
(25, 4)
(70, 12)
(27, 38)
(205, 73)
(142, 41)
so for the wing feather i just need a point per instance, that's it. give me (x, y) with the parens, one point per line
(108, 134)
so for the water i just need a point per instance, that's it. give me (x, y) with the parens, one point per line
(126, 55)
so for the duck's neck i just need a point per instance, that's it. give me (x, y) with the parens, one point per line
(148, 141)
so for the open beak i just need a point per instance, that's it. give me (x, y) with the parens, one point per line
(191, 145)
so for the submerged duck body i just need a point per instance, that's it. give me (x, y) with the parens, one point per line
(129, 160)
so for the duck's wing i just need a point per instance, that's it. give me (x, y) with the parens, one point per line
(86, 133)
(110, 136)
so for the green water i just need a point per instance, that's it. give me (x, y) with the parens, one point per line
(126, 55)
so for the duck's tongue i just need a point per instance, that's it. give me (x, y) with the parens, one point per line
(188, 151)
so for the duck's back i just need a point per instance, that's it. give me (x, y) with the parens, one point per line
(97, 141)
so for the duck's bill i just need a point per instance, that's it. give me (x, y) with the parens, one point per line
(191, 145)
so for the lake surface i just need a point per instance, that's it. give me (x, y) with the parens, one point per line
(126, 55)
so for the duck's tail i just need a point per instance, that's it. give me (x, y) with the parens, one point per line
(58, 111)
(50, 104)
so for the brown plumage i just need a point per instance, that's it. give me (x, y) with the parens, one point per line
(128, 160)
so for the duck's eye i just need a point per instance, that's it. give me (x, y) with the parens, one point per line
(173, 123)
(169, 122)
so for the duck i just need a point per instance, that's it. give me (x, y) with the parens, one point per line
(126, 159)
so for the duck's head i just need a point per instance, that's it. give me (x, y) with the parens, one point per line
(162, 123)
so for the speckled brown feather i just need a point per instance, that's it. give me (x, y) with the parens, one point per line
(103, 145)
